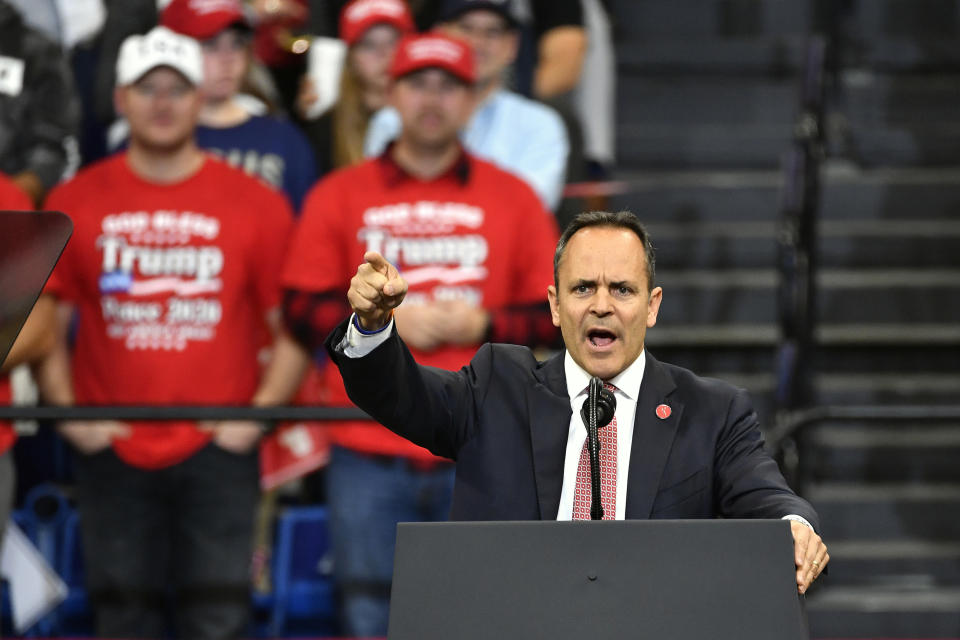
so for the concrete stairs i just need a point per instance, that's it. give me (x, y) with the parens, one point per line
(708, 97)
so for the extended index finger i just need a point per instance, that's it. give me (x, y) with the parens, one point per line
(378, 262)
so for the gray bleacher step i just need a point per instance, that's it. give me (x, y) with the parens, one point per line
(901, 386)
(899, 55)
(928, 245)
(863, 244)
(706, 100)
(754, 371)
(900, 119)
(828, 229)
(768, 334)
(878, 99)
(910, 19)
(827, 278)
(752, 367)
(889, 334)
(888, 511)
(880, 298)
(857, 612)
(741, 335)
(897, 385)
(663, 145)
(923, 144)
(896, 453)
(918, 563)
(690, 196)
(768, 56)
(895, 358)
(660, 18)
(896, 196)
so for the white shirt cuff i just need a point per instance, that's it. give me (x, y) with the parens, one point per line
(356, 344)
(799, 519)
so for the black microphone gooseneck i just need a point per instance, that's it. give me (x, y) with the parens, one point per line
(597, 412)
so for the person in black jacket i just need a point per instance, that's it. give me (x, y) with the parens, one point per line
(679, 446)
(39, 107)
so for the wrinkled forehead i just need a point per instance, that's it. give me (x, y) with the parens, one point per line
(604, 254)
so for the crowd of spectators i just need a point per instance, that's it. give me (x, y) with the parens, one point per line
(223, 184)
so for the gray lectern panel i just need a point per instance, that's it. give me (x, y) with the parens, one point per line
(660, 579)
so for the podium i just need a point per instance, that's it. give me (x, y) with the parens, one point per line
(656, 579)
(30, 245)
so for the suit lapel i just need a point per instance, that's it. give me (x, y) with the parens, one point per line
(652, 439)
(549, 416)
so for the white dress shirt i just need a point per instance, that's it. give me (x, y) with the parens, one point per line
(628, 390)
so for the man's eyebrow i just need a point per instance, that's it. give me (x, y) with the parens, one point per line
(623, 283)
(583, 282)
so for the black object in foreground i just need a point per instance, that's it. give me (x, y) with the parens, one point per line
(30, 245)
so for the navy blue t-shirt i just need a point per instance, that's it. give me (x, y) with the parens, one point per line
(269, 148)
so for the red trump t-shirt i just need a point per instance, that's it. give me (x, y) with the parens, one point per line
(171, 283)
(475, 233)
(12, 198)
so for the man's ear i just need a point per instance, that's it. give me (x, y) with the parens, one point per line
(554, 305)
(653, 306)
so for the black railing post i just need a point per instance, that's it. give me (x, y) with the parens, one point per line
(797, 244)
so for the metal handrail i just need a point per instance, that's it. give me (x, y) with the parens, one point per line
(797, 235)
(189, 412)
(789, 426)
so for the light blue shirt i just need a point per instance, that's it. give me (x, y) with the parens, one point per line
(519, 135)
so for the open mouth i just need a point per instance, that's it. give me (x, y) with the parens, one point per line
(601, 337)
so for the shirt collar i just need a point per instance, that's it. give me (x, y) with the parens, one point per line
(394, 174)
(489, 104)
(627, 381)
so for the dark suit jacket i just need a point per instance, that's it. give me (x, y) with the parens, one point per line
(504, 419)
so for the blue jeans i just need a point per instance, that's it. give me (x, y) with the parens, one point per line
(367, 497)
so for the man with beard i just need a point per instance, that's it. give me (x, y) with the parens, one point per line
(475, 244)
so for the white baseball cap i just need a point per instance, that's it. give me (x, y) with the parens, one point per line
(161, 47)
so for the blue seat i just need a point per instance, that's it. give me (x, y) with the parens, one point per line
(74, 616)
(303, 595)
(45, 510)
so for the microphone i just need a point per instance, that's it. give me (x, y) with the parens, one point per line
(606, 406)
(597, 411)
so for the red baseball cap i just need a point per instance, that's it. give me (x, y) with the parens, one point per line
(434, 50)
(203, 19)
(360, 15)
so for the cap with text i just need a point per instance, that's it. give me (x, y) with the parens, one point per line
(434, 51)
(161, 47)
(203, 19)
(360, 15)
(453, 9)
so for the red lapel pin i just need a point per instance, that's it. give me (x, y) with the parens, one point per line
(663, 411)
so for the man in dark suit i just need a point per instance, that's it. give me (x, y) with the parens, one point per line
(679, 446)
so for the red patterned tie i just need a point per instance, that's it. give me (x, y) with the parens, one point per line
(608, 473)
